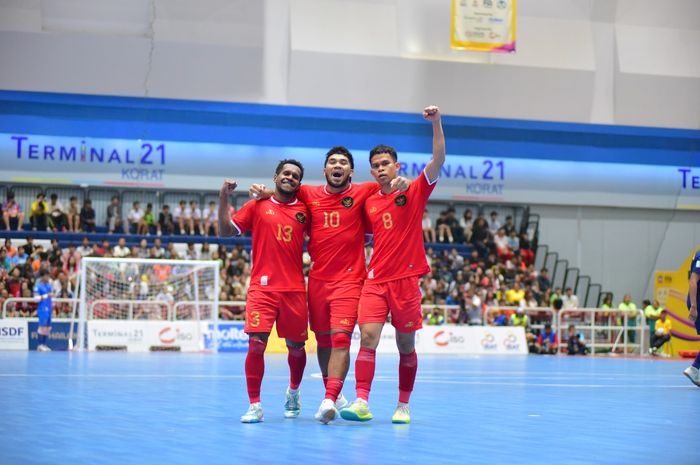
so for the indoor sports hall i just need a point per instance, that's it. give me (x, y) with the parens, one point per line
(486, 210)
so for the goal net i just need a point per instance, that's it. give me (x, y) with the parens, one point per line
(145, 304)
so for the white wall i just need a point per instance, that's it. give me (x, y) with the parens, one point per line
(604, 61)
(620, 248)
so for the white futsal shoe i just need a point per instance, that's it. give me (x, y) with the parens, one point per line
(693, 375)
(43, 348)
(254, 414)
(341, 402)
(292, 406)
(327, 412)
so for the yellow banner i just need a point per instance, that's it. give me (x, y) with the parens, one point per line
(483, 25)
(671, 290)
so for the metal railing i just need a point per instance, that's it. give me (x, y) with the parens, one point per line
(10, 305)
(618, 335)
(538, 323)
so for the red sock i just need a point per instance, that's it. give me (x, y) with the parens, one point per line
(364, 372)
(333, 388)
(408, 365)
(297, 362)
(255, 368)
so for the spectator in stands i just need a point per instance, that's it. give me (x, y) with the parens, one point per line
(115, 220)
(85, 249)
(526, 249)
(157, 251)
(480, 236)
(575, 343)
(134, 217)
(22, 256)
(453, 224)
(436, 318)
(121, 250)
(607, 305)
(629, 309)
(501, 242)
(40, 220)
(442, 226)
(494, 223)
(87, 216)
(547, 341)
(148, 221)
(197, 225)
(543, 280)
(662, 333)
(204, 252)
(515, 295)
(40, 200)
(59, 219)
(73, 214)
(211, 220)
(652, 313)
(501, 319)
(513, 240)
(509, 227)
(555, 300)
(191, 253)
(428, 230)
(182, 216)
(166, 223)
(569, 300)
(520, 318)
(12, 213)
(143, 251)
(172, 253)
(466, 223)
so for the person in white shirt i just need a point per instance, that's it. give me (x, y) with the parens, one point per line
(196, 223)
(211, 219)
(569, 300)
(121, 250)
(85, 250)
(134, 217)
(182, 215)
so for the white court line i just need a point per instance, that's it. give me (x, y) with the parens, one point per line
(377, 378)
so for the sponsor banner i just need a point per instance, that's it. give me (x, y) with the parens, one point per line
(229, 338)
(170, 164)
(142, 335)
(456, 340)
(483, 25)
(13, 334)
(58, 338)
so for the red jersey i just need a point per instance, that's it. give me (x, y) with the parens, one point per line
(278, 242)
(337, 231)
(396, 221)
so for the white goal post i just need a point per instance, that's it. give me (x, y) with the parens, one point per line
(139, 304)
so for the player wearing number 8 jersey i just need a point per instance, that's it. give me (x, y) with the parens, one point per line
(397, 263)
(277, 291)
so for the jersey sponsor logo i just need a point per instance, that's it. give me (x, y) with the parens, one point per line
(270, 211)
(316, 203)
(409, 324)
(400, 200)
(347, 202)
(345, 322)
(301, 218)
(373, 210)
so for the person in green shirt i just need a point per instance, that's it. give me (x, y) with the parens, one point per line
(436, 318)
(652, 313)
(630, 309)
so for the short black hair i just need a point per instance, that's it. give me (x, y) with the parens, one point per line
(289, 161)
(340, 150)
(383, 149)
(43, 272)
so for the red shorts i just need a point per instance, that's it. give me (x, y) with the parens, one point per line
(400, 298)
(286, 308)
(333, 304)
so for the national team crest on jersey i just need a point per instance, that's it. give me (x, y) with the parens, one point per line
(301, 218)
(400, 200)
(347, 202)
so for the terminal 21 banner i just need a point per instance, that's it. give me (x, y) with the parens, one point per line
(172, 165)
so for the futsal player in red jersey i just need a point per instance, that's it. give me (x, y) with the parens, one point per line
(398, 261)
(337, 269)
(277, 292)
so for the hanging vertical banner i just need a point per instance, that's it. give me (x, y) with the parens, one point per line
(483, 25)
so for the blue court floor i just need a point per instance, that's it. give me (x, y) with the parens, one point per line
(173, 408)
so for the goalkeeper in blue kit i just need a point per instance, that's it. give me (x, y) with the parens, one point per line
(43, 293)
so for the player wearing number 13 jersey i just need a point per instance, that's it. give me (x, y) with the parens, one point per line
(398, 261)
(277, 289)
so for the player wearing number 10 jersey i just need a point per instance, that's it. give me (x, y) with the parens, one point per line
(397, 263)
(277, 291)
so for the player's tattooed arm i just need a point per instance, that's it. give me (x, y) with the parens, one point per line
(432, 169)
(226, 227)
(260, 192)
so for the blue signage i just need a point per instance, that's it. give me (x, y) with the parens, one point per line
(57, 340)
